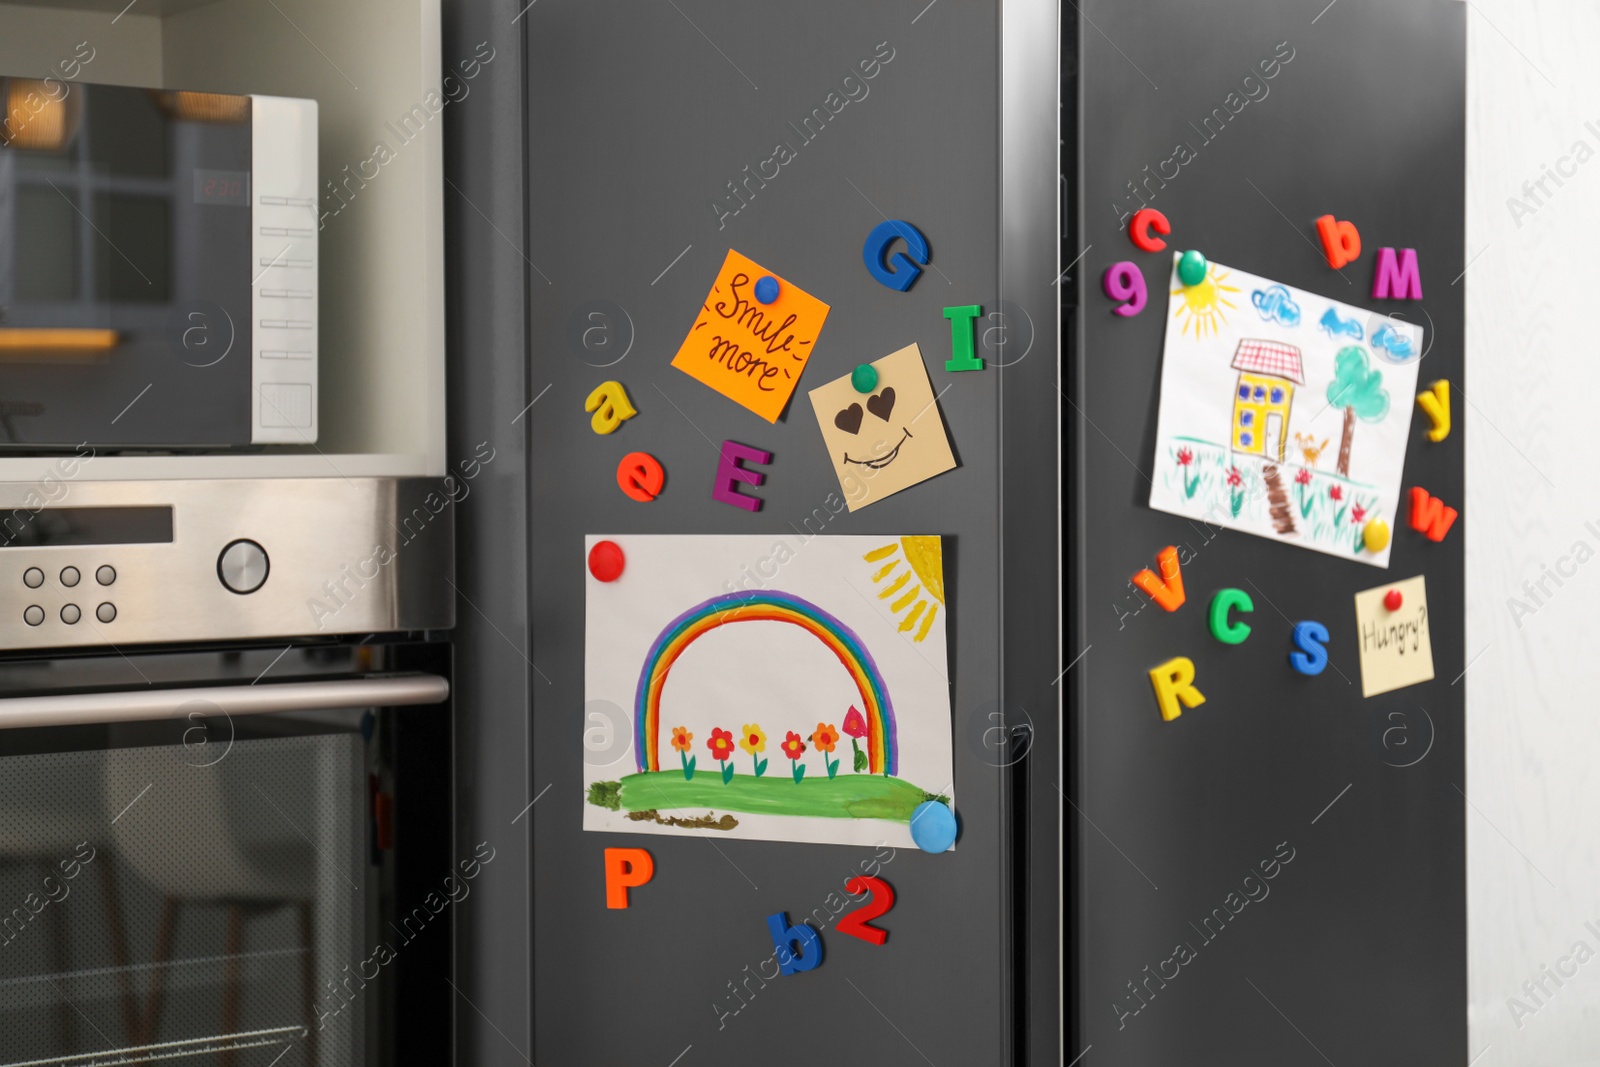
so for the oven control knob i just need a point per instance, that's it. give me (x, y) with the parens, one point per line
(243, 566)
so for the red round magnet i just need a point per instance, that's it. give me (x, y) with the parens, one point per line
(1391, 599)
(606, 561)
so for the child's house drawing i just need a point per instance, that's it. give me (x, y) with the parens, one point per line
(1235, 449)
(1268, 373)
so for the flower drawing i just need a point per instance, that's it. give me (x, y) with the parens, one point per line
(1235, 490)
(1185, 458)
(823, 739)
(856, 727)
(721, 746)
(754, 741)
(1336, 494)
(681, 740)
(794, 748)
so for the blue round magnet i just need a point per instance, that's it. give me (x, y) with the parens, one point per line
(933, 826)
(767, 289)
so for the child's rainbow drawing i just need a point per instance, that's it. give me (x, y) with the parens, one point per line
(838, 638)
(769, 607)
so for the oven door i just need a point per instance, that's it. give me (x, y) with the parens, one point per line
(247, 873)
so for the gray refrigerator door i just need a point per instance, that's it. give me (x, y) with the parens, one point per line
(1356, 951)
(659, 136)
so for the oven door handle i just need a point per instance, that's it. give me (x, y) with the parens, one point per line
(130, 705)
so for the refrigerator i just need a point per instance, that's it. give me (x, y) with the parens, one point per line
(594, 191)
(592, 208)
(1181, 946)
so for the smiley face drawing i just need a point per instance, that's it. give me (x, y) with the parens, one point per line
(886, 440)
(849, 420)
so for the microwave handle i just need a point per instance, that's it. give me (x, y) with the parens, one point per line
(129, 705)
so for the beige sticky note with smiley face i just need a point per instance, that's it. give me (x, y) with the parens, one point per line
(888, 439)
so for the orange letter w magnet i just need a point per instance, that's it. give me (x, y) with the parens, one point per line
(1166, 590)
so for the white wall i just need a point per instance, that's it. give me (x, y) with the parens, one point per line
(1533, 482)
(34, 40)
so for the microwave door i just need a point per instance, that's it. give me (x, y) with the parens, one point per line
(158, 269)
(199, 874)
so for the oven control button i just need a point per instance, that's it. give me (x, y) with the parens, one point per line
(106, 575)
(33, 577)
(70, 614)
(243, 566)
(106, 612)
(34, 615)
(69, 576)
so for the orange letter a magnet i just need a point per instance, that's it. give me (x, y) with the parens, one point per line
(1166, 590)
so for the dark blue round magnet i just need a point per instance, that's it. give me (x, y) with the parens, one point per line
(767, 289)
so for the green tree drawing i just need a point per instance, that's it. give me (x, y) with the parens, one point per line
(1358, 388)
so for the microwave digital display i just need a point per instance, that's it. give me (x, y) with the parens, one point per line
(227, 187)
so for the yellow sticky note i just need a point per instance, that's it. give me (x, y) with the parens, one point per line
(751, 352)
(886, 440)
(1396, 650)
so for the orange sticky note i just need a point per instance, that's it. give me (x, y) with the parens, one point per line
(751, 352)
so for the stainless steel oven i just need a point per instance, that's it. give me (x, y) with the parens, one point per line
(234, 856)
(87, 564)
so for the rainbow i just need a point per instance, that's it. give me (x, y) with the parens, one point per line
(883, 754)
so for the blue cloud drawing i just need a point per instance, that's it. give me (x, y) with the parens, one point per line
(1275, 305)
(1335, 326)
(1392, 341)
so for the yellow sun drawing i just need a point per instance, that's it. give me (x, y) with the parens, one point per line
(924, 559)
(1204, 303)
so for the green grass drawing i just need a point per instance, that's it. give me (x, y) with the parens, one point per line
(1226, 486)
(855, 796)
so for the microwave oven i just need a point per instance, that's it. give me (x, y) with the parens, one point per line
(158, 268)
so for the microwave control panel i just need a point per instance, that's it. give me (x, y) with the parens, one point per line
(283, 295)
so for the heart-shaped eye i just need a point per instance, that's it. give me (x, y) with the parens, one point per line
(881, 404)
(849, 420)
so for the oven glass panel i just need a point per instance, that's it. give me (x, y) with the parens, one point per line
(215, 897)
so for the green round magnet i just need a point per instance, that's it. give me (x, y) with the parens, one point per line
(1191, 268)
(864, 379)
